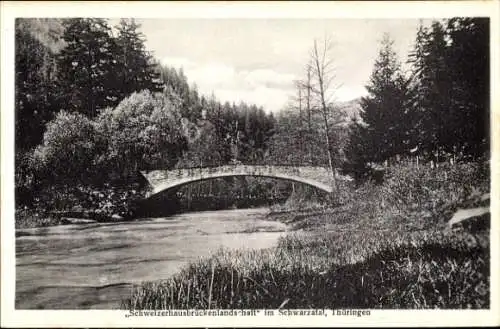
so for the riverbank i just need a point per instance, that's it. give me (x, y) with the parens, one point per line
(29, 218)
(386, 246)
(95, 265)
(75, 205)
(344, 269)
(68, 204)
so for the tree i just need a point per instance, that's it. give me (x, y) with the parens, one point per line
(215, 114)
(143, 132)
(384, 130)
(87, 66)
(202, 149)
(468, 61)
(307, 86)
(303, 104)
(434, 88)
(136, 68)
(285, 143)
(323, 88)
(68, 149)
(176, 82)
(451, 81)
(34, 80)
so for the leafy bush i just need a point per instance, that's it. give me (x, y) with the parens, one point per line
(81, 159)
(142, 132)
(68, 149)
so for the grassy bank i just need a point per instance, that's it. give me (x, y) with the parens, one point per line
(381, 269)
(387, 246)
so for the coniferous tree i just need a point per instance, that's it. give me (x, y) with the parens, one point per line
(382, 133)
(87, 66)
(34, 71)
(136, 68)
(468, 60)
(175, 81)
(451, 84)
(418, 131)
(434, 89)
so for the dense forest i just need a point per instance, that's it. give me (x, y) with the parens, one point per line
(93, 107)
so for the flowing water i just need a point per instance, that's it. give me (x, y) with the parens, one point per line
(96, 265)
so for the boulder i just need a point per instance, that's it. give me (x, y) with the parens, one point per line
(69, 220)
(485, 197)
(473, 218)
(116, 217)
(77, 209)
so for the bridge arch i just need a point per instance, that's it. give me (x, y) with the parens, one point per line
(163, 180)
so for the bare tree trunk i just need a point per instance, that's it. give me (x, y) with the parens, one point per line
(308, 100)
(330, 157)
(301, 137)
(320, 72)
(308, 104)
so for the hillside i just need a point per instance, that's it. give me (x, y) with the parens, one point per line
(351, 108)
(46, 30)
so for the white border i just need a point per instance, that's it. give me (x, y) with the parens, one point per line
(349, 9)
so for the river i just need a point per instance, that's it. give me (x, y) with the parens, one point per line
(95, 265)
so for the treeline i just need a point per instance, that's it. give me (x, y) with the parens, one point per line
(436, 110)
(93, 107)
(98, 108)
(439, 111)
(95, 68)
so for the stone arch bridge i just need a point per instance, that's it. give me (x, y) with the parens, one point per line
(163, 180)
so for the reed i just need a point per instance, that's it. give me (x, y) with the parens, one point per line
(420, 270)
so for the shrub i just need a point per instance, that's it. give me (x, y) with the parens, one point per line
(142, 132)
(68, 149)
(80, 158)
(434, 189)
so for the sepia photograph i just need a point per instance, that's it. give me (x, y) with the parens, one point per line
(329, 167)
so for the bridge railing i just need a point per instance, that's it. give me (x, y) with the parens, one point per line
(262, 170)
(247, 163)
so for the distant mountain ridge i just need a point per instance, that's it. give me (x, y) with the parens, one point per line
(351, 109)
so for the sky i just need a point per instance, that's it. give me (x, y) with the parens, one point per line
(257, 60)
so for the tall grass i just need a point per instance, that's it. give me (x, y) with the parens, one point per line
(380, 270)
